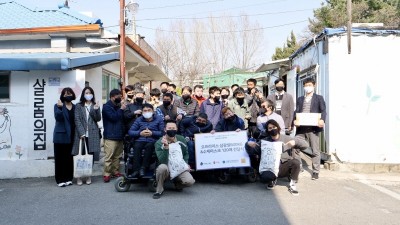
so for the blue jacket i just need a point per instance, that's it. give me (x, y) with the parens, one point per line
(156, 126)
(225, 125)
(189, 128)
(62, 131)
(213, 111)
(113, 121)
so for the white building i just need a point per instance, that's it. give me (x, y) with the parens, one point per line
(41, 52)
(360, 90)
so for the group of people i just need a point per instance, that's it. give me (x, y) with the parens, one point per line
(150, 124)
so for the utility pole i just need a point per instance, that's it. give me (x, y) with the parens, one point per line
(122, 57)
(349, 26)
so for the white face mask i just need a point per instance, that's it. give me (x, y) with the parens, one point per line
(88, 97)
(147, 115)
(308, 89)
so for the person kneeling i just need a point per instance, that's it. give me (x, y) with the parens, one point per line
(172, 154)
(289, 165)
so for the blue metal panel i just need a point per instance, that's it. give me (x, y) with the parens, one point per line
(52, 61)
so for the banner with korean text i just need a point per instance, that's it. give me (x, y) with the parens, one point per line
(221, 150)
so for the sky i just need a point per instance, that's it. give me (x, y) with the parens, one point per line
(278, 17)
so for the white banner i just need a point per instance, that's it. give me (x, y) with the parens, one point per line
(308, 119)
(221, 150)
(270, 156)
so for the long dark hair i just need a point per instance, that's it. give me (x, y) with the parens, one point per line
(82, 100)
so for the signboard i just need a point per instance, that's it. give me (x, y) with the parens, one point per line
(270, 156)
(221, 150)
(308, 119)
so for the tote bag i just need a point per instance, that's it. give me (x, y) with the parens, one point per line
(83, 163)
(176, 164)
(270, 156)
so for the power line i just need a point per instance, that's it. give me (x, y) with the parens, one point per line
(224, 32)
(216, 17)
(193, 3)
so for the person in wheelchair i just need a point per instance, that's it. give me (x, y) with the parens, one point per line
(146, 130)
(190, 126)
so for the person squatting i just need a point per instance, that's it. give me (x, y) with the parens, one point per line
(155, 126)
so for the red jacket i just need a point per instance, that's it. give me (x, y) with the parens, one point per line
(199, 100)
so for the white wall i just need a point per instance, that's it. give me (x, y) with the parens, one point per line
(21, 112)
(363, 104)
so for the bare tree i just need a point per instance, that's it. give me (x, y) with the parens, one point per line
(213, 45)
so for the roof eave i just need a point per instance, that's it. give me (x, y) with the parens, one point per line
(53, 30)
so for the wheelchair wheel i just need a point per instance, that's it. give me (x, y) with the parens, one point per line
(122, 184)
(152, 185)
(224, 178)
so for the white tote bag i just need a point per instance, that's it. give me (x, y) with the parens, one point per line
(270, 156)
(83, 163)
(176, 163)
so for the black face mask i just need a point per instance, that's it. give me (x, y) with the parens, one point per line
(186, 97)
(240, 100)
(279, 89)
(166, 103)
(117, 100)
(273, 132)
(200, 124)
(231, 118)
(139, 100)
(164, 90)
(224, 96)
(130, 96)
(171, 133)
(68, 98)
(216, 98)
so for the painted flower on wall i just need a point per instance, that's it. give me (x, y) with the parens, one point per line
(372, 98)
(18, 151)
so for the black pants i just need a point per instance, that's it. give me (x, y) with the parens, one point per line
(289, 168)
(63, 162)
(144, 161)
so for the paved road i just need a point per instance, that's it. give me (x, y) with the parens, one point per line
(337, 198)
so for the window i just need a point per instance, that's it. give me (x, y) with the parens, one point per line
(4, 86)
(110, 81)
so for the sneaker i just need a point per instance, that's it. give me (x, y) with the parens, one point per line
(62, 184)
(314, 176)
(79, 181)
(68, 183)
(88, 180)
(157, 195)
(271, 185)
(106, 179)
(293, 190)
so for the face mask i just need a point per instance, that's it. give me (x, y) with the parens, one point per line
(231, 118)
(139, 100)
(273, 132)
(262, 110)
(198, 96)
(68, 98)
(279, 89)
(147, 115)
(166, 103)
(224, 96)
(308, 89)
(171, 133)
(216, 98)
(117, 100)
(88, 97)
(164, 90)
(240, 100)
(200, 124)
(186, 97)
(130, 96)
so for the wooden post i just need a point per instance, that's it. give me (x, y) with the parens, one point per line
(349, 26)
(122, 57)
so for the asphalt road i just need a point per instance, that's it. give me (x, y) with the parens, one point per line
(336, 198)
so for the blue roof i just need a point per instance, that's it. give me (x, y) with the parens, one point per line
(335, 31)
(52, 61)
(14, 15)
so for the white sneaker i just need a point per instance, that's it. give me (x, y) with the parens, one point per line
(62, 184)
(68, 183)
(88, 180)
(293, 190)
(79, 181)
